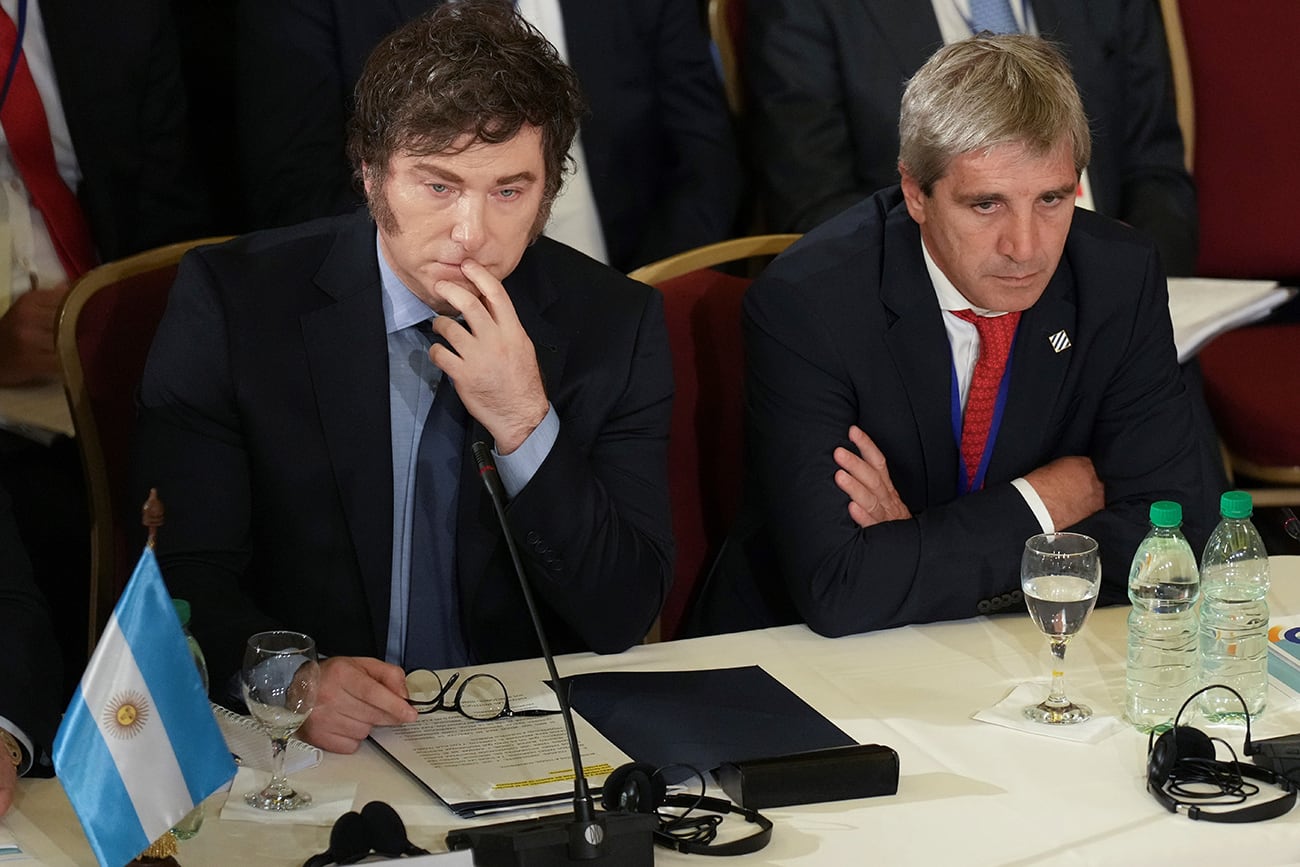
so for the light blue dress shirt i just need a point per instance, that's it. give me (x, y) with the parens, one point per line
(413, 380)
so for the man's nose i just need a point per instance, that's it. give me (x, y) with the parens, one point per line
(1019, 237)
(469, 230)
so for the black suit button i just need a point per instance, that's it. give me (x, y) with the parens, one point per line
(1005, 599)
(984, 607)
(532, 538)
(1017, 597)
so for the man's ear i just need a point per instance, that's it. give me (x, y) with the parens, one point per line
(913, 197)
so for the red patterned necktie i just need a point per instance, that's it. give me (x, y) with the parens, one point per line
(28, 132)
(996, 334)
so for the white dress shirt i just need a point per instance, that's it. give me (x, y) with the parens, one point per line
(574, 218)
(25, 245)
(964, 339)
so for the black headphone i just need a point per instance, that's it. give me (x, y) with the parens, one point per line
(1183, 757)
(640, 788)
(377, 828)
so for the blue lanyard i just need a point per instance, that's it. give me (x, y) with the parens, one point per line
(999, 406)
(18, 52)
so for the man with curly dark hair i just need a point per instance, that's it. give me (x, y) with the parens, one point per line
(657, 169)
(313, 392)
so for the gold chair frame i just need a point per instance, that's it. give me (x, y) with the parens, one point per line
(711, 255)
(699, 258)
(1182, 71)
(94, 465)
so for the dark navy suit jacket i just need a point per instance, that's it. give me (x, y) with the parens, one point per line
(264, 424)
(32, 686)
(118, 69)
(844, 328)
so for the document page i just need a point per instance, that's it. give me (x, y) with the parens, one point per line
(38, 412)
(479, 767)
(1203, 308)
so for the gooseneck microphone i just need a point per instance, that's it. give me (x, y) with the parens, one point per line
(624, 839)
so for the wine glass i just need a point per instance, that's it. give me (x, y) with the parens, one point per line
(1059, 575)
(279, 681)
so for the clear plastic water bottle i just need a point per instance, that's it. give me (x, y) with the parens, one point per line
(1234, 611)
(189, 826)
(1162, 647)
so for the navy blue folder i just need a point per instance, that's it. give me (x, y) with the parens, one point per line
(700, 718)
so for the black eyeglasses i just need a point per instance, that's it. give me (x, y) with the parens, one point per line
(479, 697)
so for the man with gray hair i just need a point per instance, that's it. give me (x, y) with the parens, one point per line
(952, 366)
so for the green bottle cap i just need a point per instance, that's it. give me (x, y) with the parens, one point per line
(1235, 504)
(1166, 513)
(182, 610)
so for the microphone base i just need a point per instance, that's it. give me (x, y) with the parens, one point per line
(629, 842)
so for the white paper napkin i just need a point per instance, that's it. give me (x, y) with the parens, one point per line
(328, 801)
(1010, 713)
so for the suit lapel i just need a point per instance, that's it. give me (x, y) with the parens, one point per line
(1047, 18)
(347, 353)
(1042, 356)
(477, 533)
(918, 344)
(532, 292)
(909, 29)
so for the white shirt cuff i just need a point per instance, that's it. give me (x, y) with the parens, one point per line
(1035, 504)
(518, 468)
(22, 739)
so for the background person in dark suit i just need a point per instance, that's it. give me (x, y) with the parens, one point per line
(288, 384)
(657, 140)
(31, 689)
(824, 78)
(859, 370)
(108, 83)
(110, 104)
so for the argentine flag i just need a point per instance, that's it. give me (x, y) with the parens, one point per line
(139, 746)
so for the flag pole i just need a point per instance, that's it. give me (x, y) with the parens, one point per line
(151, 515)
(163, 850)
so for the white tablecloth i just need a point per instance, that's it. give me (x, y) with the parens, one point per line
(970, 793)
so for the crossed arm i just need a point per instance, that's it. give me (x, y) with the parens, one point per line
(1068, 486)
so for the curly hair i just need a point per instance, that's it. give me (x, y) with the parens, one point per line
(467, 72)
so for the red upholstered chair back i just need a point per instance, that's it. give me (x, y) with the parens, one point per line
(1246, 99)
(105, 328)
(1246, 94)
(705, 447)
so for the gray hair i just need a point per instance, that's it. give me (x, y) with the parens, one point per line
(986, 91)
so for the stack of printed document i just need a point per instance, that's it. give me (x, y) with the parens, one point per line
(1202, 308)
(478, 767)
